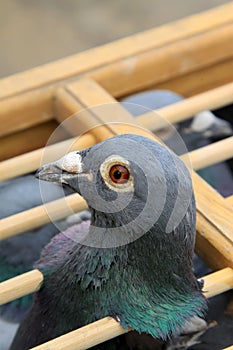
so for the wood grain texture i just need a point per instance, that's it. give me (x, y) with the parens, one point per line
(205, 79)
(19, 286)
(25, 110)
(28, 140)
(167, 62)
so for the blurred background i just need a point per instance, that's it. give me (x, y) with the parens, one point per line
(35, 32)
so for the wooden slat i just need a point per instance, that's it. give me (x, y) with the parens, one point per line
(24, 111)
(85, 337)
(180, 111)
(230, 200)
(97, 57)
(19, 286)
(165, 63)
(40, 215)
(212, 154)
(28, 140)
(31, 161)
(205, 79)
(214, 239)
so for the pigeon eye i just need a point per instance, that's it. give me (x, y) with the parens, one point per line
(119, 174)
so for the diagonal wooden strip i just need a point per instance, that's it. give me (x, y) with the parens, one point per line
(165, 63)
(192, 83)
(97, 57)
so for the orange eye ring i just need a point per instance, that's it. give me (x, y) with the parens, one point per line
(119, 174)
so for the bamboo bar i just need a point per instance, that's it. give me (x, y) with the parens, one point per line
(41, 215)
(185, 109)
(212, 154)
(19, 286)
(85, 337)
(107, 328)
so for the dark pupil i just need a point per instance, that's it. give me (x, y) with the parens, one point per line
(117, 174)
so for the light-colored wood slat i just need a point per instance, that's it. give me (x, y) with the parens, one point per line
(107, 328)
(39, 103)
(214, 239)
(229, 348)
(19, 286)
(212, 154)
(31, 161)
(205, 79)
(78, 64)
(85, 337)
(165, 63)
(40, 215)
(28, 140)
(180, 111)
(230, 200)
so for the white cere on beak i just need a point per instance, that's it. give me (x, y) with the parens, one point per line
(71, 162)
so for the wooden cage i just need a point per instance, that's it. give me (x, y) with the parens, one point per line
(193, 57)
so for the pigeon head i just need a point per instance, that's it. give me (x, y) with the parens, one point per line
(130, 183)
(134, 261)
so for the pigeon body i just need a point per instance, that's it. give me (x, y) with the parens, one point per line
(126, 263)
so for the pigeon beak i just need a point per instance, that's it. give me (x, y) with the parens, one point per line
(62, 171)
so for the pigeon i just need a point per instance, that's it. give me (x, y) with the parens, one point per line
(19, 253)
(133, 260)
